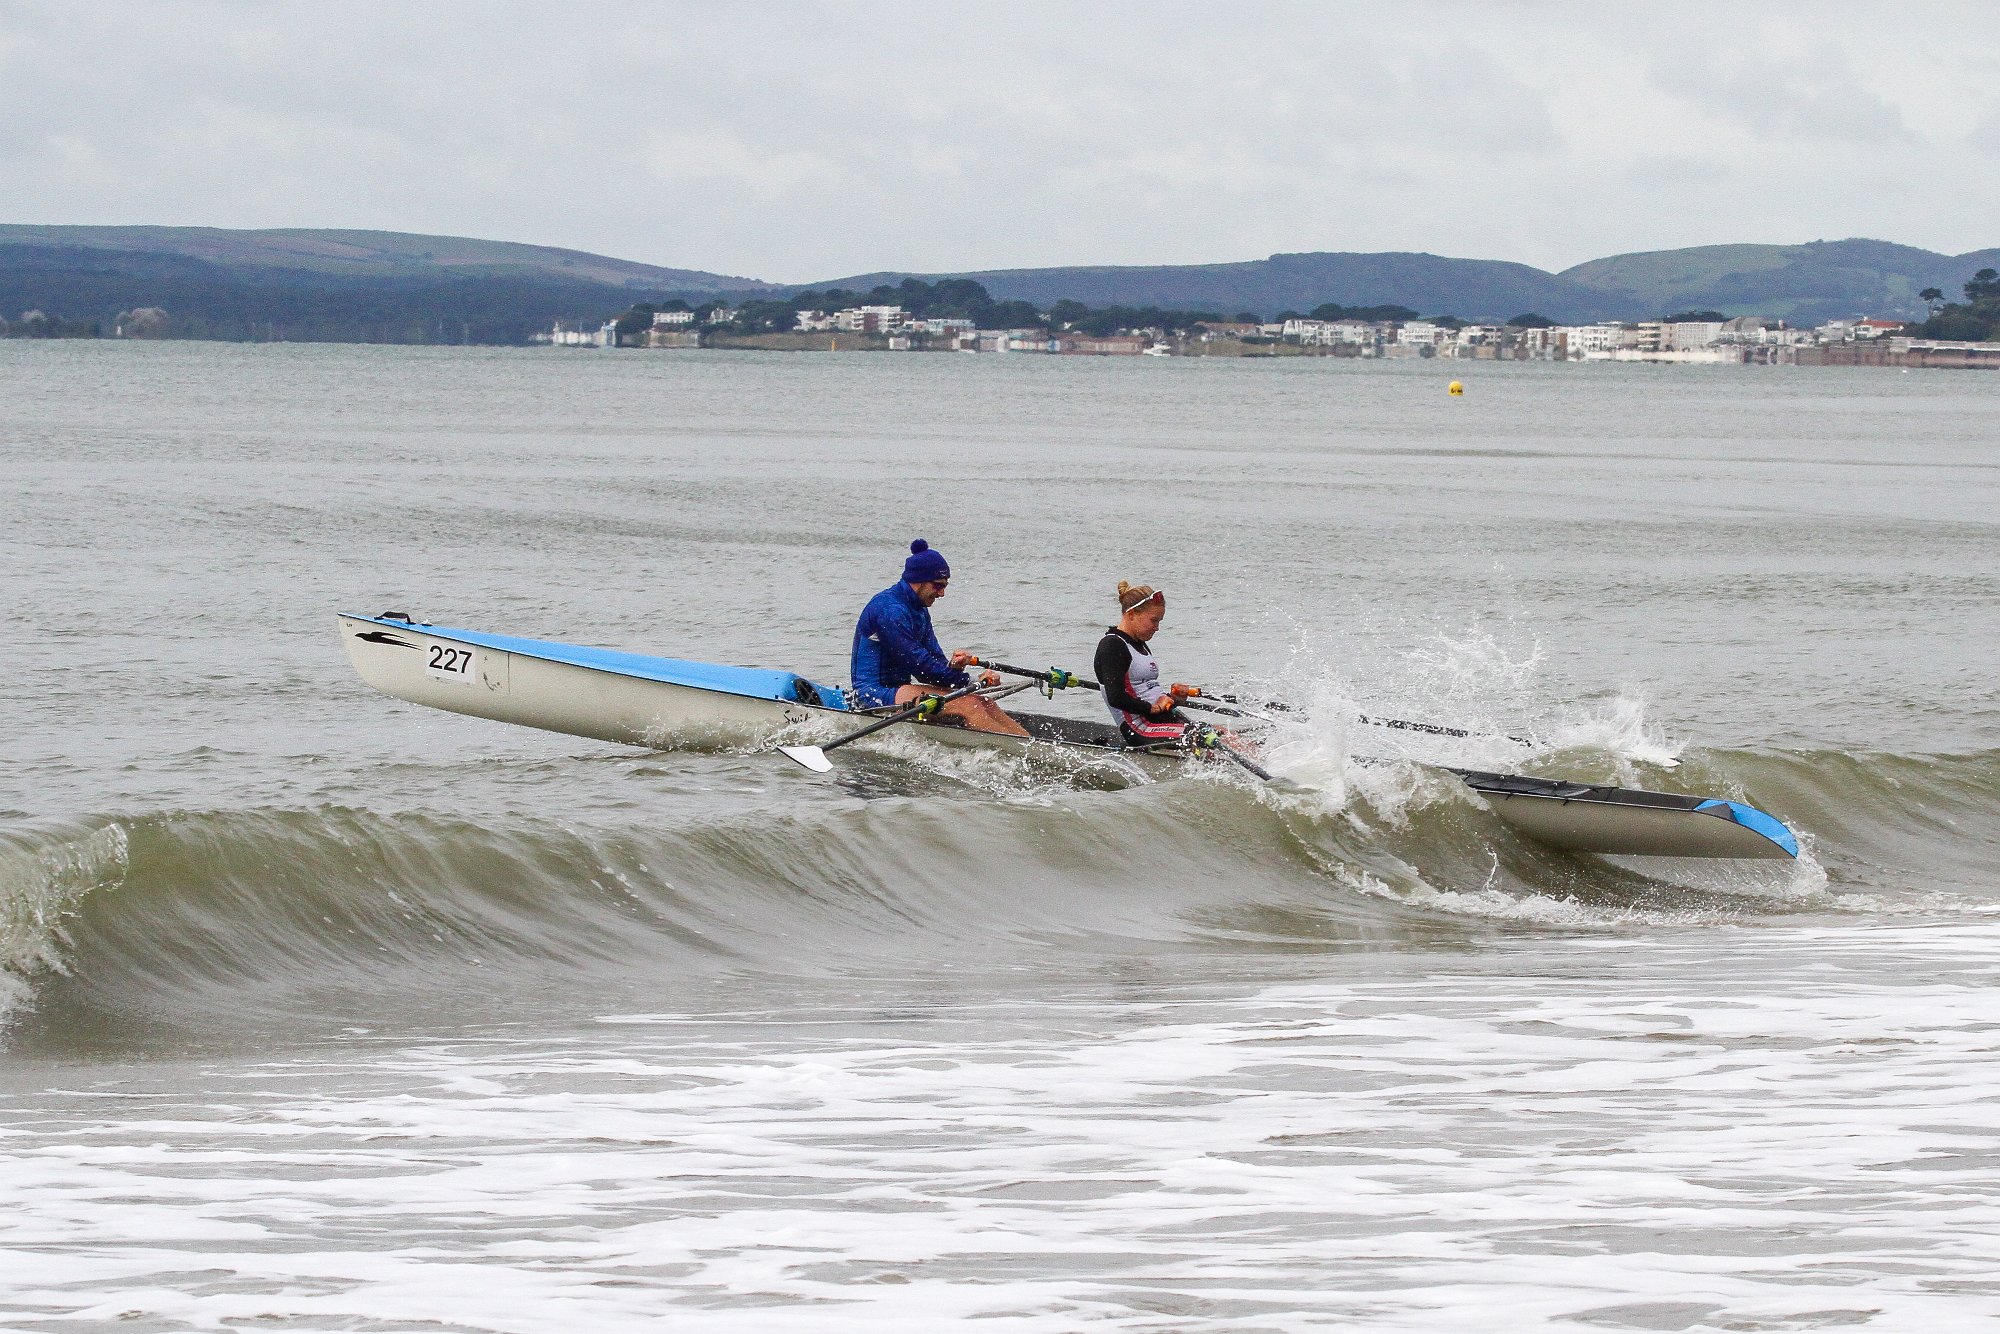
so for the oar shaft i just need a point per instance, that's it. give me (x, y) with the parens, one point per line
(1067, 679)
(1062, 678)
(923, 705)
(1255, 768)
(1435, 729)
(1401, 724)
(1058, 676)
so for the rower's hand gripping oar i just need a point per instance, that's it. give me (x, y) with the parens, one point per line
(814, 757)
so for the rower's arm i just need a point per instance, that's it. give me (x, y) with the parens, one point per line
(1113, 660)
(920, 651)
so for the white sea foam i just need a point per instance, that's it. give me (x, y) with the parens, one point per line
(43, 876)
(1803, 1139)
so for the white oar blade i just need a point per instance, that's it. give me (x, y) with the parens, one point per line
(809, 757)
(1288, 787)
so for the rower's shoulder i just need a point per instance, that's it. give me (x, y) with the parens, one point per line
(883, 601)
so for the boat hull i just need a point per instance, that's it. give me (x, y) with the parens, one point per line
(1614, 821)
(414, 662)
(514, 687)
(667, 704)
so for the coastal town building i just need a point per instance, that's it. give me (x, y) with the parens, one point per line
(1105, 345)
(1856, 330)
(606, 335)
(1687, 335)
(1419, 334)
(1583, 340)
(1747, 340)
(871, 319)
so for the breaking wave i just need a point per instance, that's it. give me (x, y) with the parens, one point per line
(315, 917)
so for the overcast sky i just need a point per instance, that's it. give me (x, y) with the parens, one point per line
(802, 141)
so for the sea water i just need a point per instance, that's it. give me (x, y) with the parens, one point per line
(324, 1011)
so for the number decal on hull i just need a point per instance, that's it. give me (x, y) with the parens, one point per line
(448, 662)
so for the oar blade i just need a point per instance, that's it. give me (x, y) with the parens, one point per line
(1288, 787)
(809, 757)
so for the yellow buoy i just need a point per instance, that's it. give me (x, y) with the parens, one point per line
(1456, 388)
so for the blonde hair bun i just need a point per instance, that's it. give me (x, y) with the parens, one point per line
(1135, 595)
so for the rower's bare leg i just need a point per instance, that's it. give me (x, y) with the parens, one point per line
(981, 715)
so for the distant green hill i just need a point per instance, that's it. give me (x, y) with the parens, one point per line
(362, 254)
(362, 286)
(1802, 283)
(308, 285)
(1436, 285)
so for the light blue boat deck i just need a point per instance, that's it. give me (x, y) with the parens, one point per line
(750, 682)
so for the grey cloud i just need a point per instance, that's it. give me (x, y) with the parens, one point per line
(801, 141)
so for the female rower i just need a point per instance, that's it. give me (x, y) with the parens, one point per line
(1143, 708)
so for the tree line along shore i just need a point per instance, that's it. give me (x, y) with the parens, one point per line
(961, 315)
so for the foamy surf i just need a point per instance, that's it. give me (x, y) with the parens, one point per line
(1585, 1139)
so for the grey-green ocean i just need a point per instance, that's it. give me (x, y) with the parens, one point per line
(323, 1011)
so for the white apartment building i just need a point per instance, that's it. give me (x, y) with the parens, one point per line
(871, 319)
(1420, 333)
(666, 319)
(1329, 333)
(1582, 340)
(1689, 335)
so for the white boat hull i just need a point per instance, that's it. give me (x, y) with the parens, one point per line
(555, 696)
(625, 698)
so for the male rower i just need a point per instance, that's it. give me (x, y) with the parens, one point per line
(897, 659)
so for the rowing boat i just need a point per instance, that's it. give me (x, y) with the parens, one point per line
(672, 703)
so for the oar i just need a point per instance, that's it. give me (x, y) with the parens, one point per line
(1403, 724)
(1207, 737)
(814, 757)
(1436, 729)
(1199, 700)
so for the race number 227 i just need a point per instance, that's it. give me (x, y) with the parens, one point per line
(449, 663)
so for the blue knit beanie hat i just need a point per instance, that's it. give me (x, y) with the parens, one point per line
(924, 565)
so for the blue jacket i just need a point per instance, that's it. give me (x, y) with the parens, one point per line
(894, 645)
